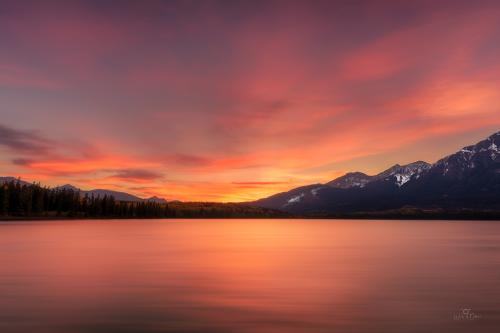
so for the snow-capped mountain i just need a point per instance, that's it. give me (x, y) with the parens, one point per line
(469, 178)
(399, 174)
(351, 179)
(476, 156)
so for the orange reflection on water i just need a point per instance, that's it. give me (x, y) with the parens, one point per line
(247, 276)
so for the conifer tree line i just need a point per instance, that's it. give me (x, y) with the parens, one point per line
(19, 199)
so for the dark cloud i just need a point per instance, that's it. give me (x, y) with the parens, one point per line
(25, 142)
(22, 161)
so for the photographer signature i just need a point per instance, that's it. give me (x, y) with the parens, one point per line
(466, 314)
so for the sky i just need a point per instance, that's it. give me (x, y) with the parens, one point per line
(238, 100)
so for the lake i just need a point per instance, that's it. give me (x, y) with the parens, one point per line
(249, 276)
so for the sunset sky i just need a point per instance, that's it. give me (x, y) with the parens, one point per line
(237, 100)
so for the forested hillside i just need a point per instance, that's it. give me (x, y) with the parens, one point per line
(21, 200)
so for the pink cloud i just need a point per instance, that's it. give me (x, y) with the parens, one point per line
(227, 109)
(20, 77)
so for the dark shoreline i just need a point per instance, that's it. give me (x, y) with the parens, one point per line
(424, 217)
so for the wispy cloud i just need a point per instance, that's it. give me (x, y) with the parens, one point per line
(136, 175)
(23, 141)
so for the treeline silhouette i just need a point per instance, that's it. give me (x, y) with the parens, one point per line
(21, 200)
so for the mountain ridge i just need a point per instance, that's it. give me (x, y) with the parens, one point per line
(468, 178)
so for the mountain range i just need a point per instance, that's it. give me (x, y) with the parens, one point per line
(120, 196)
(467, 179)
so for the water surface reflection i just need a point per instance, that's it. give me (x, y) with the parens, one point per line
(249, 276)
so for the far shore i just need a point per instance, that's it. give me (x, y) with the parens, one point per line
(470, 216)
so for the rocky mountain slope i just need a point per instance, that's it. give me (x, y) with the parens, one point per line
(468, 179)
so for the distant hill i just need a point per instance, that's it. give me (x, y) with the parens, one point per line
(468, 179)
(156, 199)
(120, 196)
(4, 180)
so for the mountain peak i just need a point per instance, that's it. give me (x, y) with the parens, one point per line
(494, 135)
(403, 173)
(67, 187)
(156, 199)
(351, 179)
(480, 154)
(355, 174)
(418, 163)
(388, 172)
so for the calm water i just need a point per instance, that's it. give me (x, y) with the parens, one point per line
(249, 276)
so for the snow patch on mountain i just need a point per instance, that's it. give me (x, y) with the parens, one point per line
(295, 199)
(403, 174)
(402, 179)
(400, 174)
(315, 191)
(494, 150)
(468, 157)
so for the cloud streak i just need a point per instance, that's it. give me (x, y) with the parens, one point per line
(24, 142)
(137, 175)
